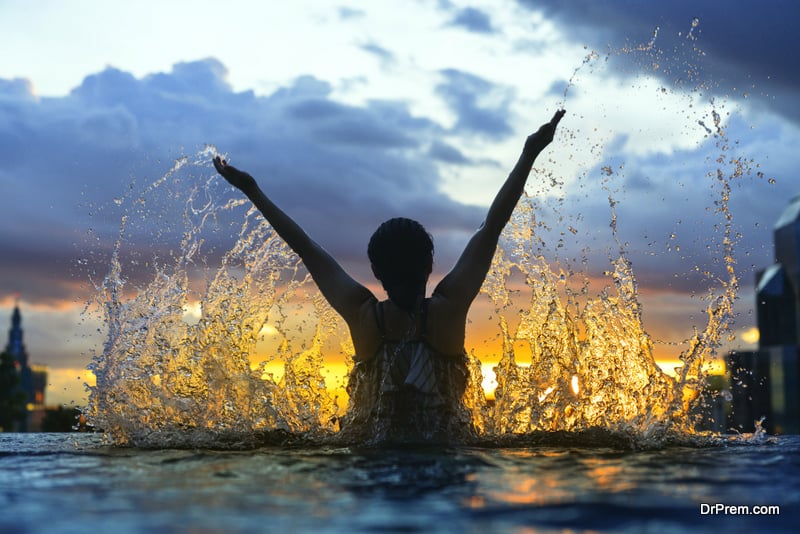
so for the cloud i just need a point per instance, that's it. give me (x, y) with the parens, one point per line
(378, 51)
(474, 20)
(480, 106)
(323, 160)
(706, 38)
(443, 152)
(16, 90)
(340, 169)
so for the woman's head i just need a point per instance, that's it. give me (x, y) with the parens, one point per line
(401, 253)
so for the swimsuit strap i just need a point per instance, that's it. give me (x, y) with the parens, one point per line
(423, 319)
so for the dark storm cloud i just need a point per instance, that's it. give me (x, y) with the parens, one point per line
(746, 44)
(480, 106)
(473, 20)
(339, 169)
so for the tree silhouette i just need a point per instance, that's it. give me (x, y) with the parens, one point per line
(62, 419)
(12, 399)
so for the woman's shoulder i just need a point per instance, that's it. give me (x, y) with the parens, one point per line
(365, 332)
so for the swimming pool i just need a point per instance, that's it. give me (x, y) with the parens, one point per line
(74, 483)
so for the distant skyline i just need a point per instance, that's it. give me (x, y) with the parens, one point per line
(355, 112)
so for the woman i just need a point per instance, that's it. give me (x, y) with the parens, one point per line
(410, 370)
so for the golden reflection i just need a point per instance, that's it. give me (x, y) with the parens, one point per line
(546, 488)
(608, 476)
(474, 502)
(534, 490)
(553, 486)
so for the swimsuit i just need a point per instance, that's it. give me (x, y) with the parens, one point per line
(408, 391)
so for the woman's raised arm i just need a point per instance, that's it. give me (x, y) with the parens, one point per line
(462, 284)
(343, 293)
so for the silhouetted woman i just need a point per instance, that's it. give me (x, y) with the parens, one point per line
(411, 367)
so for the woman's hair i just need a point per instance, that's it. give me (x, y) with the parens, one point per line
(401, 253)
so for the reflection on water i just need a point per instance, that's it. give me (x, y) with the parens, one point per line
(60, 483)
(168, 376)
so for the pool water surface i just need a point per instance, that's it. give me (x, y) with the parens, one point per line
(75, 483)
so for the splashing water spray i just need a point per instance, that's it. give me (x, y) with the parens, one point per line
(217, 346)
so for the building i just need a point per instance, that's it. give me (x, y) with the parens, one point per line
(766, 383)
(32, 379)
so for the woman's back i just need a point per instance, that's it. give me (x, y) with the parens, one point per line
(408, 390)
(443, 325)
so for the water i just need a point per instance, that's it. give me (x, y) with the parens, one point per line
(72, 483)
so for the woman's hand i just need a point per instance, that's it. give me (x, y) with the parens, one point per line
(238, 179)
(538, 140)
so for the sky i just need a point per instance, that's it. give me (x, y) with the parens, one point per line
(352, 112)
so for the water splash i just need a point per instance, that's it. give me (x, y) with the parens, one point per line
(593, 57)
(589, 59)
(163, 379)
(166, 378)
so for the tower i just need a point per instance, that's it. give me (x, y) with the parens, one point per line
(32, 382)
(16, 348)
